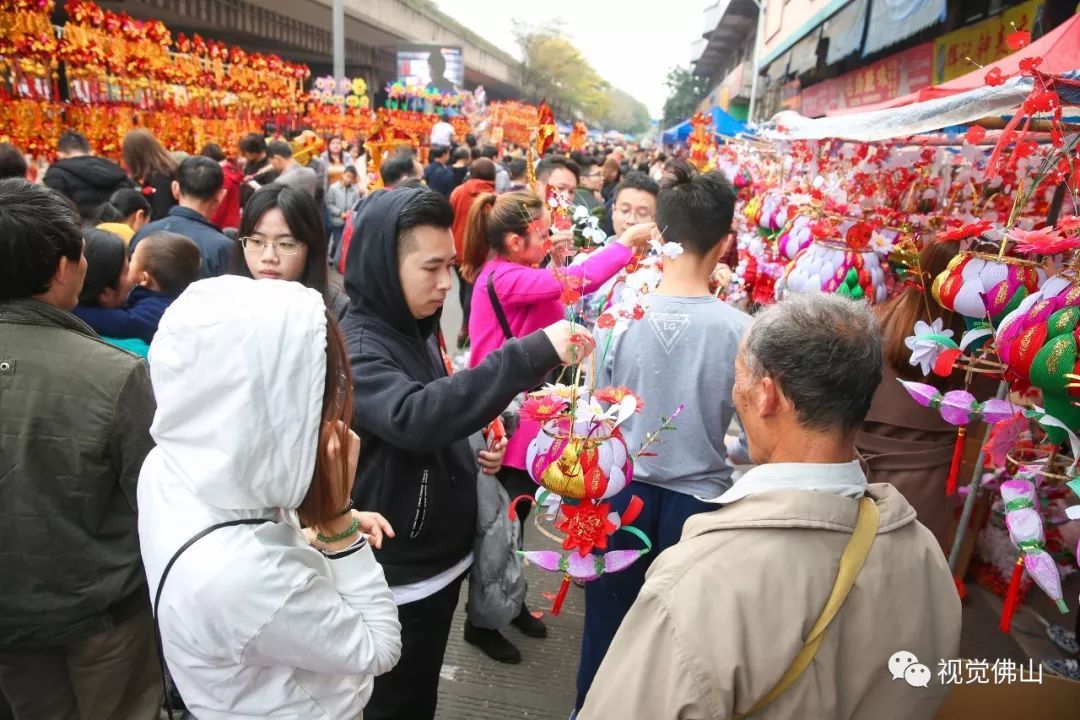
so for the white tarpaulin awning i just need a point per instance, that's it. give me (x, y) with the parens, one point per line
(845, 31)
(904, 121)
(893, 20)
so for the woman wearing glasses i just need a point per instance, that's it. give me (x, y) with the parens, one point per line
(282, 238)
(505, 244)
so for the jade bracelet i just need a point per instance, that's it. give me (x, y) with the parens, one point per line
(329, 539)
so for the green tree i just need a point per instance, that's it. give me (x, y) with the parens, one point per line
(553, 69)
(685, 91)
(626, 113)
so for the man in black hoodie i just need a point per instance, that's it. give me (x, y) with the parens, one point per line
(414, 421)
(87, 180)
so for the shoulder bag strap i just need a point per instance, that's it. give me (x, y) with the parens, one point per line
(161, 584)
(497, 306)
(851, 562)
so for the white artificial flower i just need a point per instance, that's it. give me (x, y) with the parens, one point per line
(880, 243)
(671, 250)
(580, 212)
(594, 235)
(924, 351)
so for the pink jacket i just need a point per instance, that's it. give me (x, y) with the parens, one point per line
(530, 298)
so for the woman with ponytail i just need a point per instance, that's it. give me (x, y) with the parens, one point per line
(125, 214)
(514, 294)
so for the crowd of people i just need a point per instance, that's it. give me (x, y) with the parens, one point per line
(190, 395)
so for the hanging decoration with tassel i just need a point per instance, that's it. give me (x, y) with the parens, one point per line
(959, 407)
(1025, 526)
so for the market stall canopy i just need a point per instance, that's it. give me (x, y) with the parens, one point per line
(1059, 49)
(723, 124)
(920, 117)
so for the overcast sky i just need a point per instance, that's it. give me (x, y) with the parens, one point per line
(631, 45)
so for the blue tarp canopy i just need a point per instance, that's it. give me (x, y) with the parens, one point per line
(723, 124)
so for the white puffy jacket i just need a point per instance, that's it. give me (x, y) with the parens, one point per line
(255, 623)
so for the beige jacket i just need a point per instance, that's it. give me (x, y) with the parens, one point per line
(722, 614)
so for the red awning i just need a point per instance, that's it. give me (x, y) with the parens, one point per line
(1059, 49)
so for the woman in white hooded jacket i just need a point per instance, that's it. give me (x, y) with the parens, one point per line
(253, 398)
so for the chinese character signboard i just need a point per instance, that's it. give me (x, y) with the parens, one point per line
(962, 51)
(885, 79)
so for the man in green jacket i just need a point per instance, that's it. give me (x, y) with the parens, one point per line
(76, 632)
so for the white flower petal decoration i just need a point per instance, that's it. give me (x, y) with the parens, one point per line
(924, 351)
(671, 250)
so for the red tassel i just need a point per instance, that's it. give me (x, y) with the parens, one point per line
(957, 456)
(1012, 596)
(961, 588)
(556, 606)
(633, 509)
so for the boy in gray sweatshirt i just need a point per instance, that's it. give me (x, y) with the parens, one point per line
(681, 352)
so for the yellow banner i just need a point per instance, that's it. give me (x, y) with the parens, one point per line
(983, 42)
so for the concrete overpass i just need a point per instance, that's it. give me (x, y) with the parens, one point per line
(299, 30)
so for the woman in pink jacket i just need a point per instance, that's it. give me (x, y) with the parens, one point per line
(514, 293)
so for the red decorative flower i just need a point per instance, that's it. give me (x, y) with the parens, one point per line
(1017, 40)
(858, 235)
(1069, 223)
(569, 296)
(994, 77)
(543, 408)
(1029, 64)
(975, 134)
(973, 230)
(586, 526)
(1043, 242)
(605, 322)
(615, 395)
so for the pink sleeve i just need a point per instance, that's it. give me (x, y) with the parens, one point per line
(520, 284)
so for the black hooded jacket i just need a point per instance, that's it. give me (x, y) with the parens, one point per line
(416, 467)
(88, 180)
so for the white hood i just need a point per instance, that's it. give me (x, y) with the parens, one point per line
(239, 368)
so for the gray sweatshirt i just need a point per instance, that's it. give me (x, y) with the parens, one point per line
(681, 352)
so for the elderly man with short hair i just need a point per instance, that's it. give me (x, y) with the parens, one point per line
(734, 618)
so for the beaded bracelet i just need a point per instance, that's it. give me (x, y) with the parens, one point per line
(348, 506)
(329, 539)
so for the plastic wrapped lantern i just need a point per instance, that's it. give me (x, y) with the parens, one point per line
(851, 266)
(589, 463)
(1038, 341)
(795, 236)
(978, 286)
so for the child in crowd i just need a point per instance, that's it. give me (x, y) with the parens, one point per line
(681, 352)
(162, 266)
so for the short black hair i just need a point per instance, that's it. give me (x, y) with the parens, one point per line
(253, 143)
(489, 151)
(517, 168)
(279, 148)
(396, 168)
(635, 180)
(71, 141)
(213, 151)
(38, 226)
(351, 170)
(461, 153)
(482, 169)
(200, 177)
(172, 259)
(438, 151)
(12, 162)
(696, 210)
(427, 208)
(548, 164)
(470, 140)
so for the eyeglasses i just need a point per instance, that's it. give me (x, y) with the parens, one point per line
(281, 247)
(640, 214)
